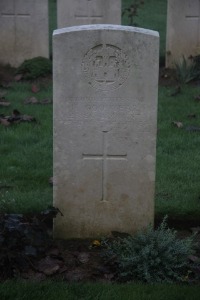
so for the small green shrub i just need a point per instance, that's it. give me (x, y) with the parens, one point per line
(151, 255)
(186, 71)
(35, 67)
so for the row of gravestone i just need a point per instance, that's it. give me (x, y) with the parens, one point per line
(24, 25)
(24, 28)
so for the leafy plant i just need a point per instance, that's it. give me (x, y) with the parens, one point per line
(186, 71)
(35, 67)
(151, 255)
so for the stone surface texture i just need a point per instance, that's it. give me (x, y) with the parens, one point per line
(105, 108)
(24, 30)
(84, 12)
(183, 30)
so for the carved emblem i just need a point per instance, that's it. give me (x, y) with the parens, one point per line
(106, 67)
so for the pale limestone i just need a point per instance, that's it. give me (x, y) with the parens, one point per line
(105, 107)
(23, 30)
(83, 12)
(183, 30)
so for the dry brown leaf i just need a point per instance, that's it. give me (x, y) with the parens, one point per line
(4, 122)
(191, 116)
(31, 100)
(4, 103)
(83, 257)
(18, 77)
(49, 265)
(177, 124)
(35, 88)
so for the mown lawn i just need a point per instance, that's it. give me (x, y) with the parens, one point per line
(87, 291)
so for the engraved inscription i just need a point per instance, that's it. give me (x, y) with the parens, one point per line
(91, 12)
(106, 67)
(116, 110)
(104, 156)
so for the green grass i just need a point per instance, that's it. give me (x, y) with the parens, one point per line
(60, 291)
(177, 181)
(27, 152)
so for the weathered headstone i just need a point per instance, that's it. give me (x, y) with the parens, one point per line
(105, 106)
(83, 12)
(23, 30)
(183, 30)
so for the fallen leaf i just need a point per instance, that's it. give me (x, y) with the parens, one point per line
(51, 182)
(2, 94)
(192, 128)
(18, 77)
(109, 276)
(83, 257)
(4, 103)
(36, 276)
(194, 258)
(31, 100)
(191, 116)
(96, 243)
(177, 124)
(49, 265)
(195, 229)
(16, 117)
(27, 118)
(77, 275)
(45, 101)
(197, 98)
(5, 186)
(16, 112)
(4, 122)
(35, 88)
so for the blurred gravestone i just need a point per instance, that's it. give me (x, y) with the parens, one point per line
(23, 30)
(183, 30)
(105, 107)
(82, 12)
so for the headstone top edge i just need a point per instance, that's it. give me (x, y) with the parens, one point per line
(106, 27)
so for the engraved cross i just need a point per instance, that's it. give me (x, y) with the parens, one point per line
(89, 14)
(104, 157)
(14, 13)
(195, 17)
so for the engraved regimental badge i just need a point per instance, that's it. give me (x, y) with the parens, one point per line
(106, 67)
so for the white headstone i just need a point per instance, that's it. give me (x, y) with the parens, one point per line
(83, 12)
(183, 30)
(105, 107)
(24, 30)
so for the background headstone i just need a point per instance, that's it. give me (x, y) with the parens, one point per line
(24, 32)
(183, 30)
(83, 12)
(105, 107)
